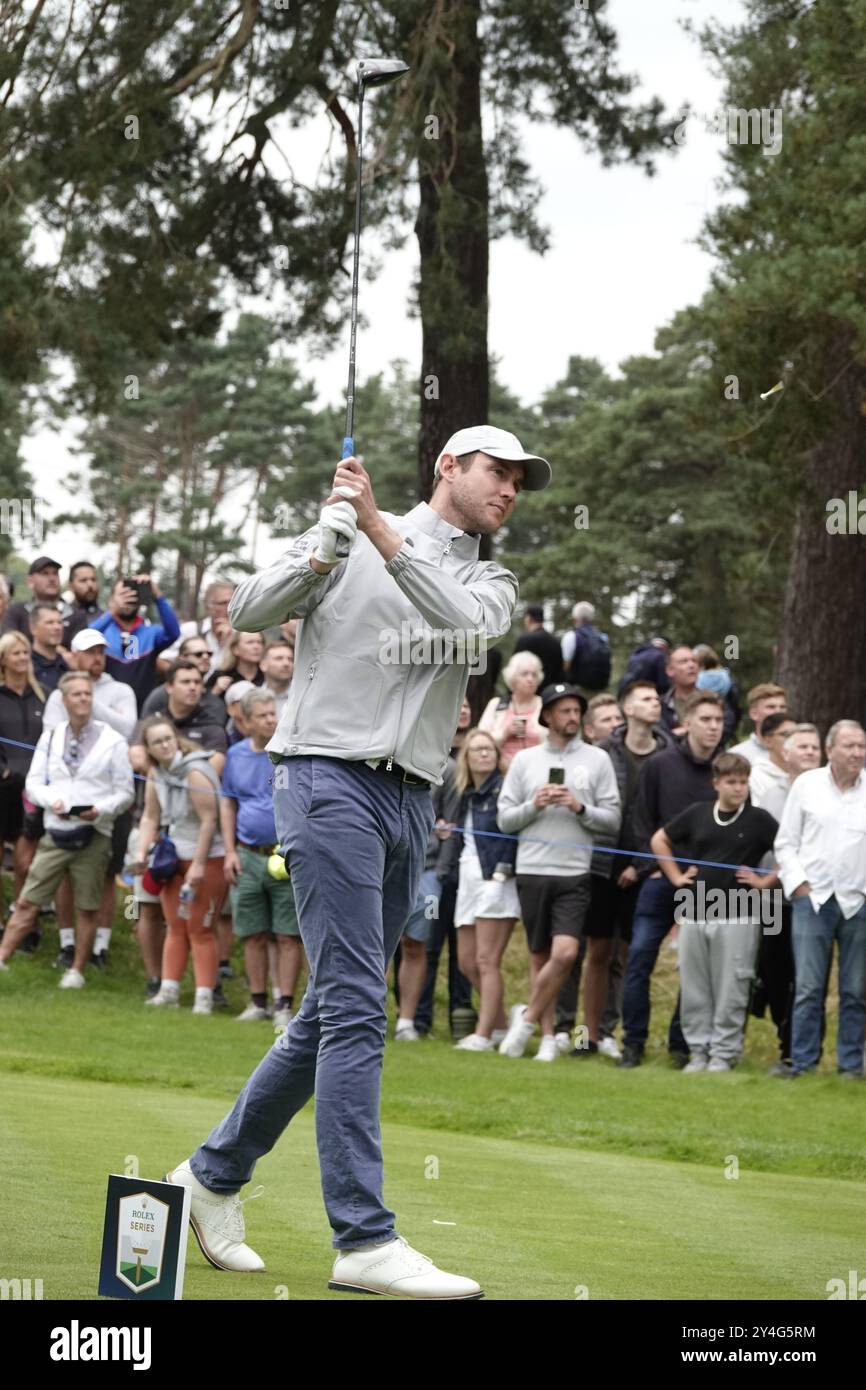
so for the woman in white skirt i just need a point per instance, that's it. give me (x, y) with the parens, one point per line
(487, 903)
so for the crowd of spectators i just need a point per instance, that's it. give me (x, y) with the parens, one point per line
(133, 751)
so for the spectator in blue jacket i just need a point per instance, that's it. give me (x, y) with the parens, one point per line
(133, 642)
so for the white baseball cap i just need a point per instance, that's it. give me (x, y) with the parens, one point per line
(499, 444)
(85, 639)
(237, 691)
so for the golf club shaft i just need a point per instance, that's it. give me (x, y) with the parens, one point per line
(348, 439)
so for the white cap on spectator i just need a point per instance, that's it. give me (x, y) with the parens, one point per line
(238, 691)
(85, 639)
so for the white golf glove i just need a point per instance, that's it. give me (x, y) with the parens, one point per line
(338, 527)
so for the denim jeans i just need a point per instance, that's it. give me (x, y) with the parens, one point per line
(653, 919)
(355, 841)
(459, 988)
(813, 934)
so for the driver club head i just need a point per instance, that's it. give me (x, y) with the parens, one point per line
(376, 72)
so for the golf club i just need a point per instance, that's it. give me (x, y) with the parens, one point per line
(372, 72)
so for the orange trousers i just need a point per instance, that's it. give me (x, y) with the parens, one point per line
(195, 932)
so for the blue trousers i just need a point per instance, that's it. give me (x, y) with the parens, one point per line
(813, 934)
(355, 842)
(653, 919)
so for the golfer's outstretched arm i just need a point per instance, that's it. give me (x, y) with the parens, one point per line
(290, 588)
(482, 609)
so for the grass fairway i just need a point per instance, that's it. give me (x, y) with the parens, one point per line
(557, 1179)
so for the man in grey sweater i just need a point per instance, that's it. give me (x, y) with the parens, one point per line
(557, 796)
(395, 610)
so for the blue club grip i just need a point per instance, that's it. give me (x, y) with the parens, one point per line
(348, 447)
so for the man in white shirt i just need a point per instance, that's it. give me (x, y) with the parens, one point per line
(81, 777)
(113, 701)
(794, 748)
(821, 849)
(114, 704)
(761, 700)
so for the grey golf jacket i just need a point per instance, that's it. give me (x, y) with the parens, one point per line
(384, 651)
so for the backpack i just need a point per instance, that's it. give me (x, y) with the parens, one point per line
(590, 665)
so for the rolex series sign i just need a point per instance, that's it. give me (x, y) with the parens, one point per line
(144, 1239)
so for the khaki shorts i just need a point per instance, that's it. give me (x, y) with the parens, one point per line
(86, 867)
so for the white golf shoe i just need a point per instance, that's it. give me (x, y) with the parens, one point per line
(518, 1035)
(218, 1223)
(398, 1271)
(608, 1047)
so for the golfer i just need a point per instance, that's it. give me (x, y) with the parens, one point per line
(382, 662)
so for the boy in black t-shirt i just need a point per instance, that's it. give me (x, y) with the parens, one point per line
(720, 921)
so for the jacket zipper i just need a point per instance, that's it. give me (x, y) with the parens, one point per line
(310, 676)
(391, 756)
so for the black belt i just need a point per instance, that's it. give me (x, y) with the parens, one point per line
(392, 769)
(257, 849)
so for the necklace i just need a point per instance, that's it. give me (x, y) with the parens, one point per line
(716, 817)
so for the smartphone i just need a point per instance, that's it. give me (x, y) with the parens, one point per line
(144, 591)
(76, 810)
(557, 776)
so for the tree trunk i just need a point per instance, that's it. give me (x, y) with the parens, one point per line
(452, 230)
(822, 653)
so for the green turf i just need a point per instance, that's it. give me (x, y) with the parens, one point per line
(531, 1221)
(577, 1174)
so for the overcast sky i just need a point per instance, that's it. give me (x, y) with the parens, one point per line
(622, 257)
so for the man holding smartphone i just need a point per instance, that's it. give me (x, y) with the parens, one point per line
(133, 642)
(556, 797)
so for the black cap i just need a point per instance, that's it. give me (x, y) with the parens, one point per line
(44, 562)
(551, 693)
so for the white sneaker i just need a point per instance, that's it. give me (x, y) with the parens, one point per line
(474, 1043)
(699, 1062)
(253, 1013)
(608, 1048)
(405, 1032)
(203, 1001)
(3, 965)
(563, 1042)
(164, 999)
(548, 1050)
(518, 1035)
(71, 979)
(399, 1271)
(719, 1064)
(282, 1018)
(497, 1035)
(218, 1223)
